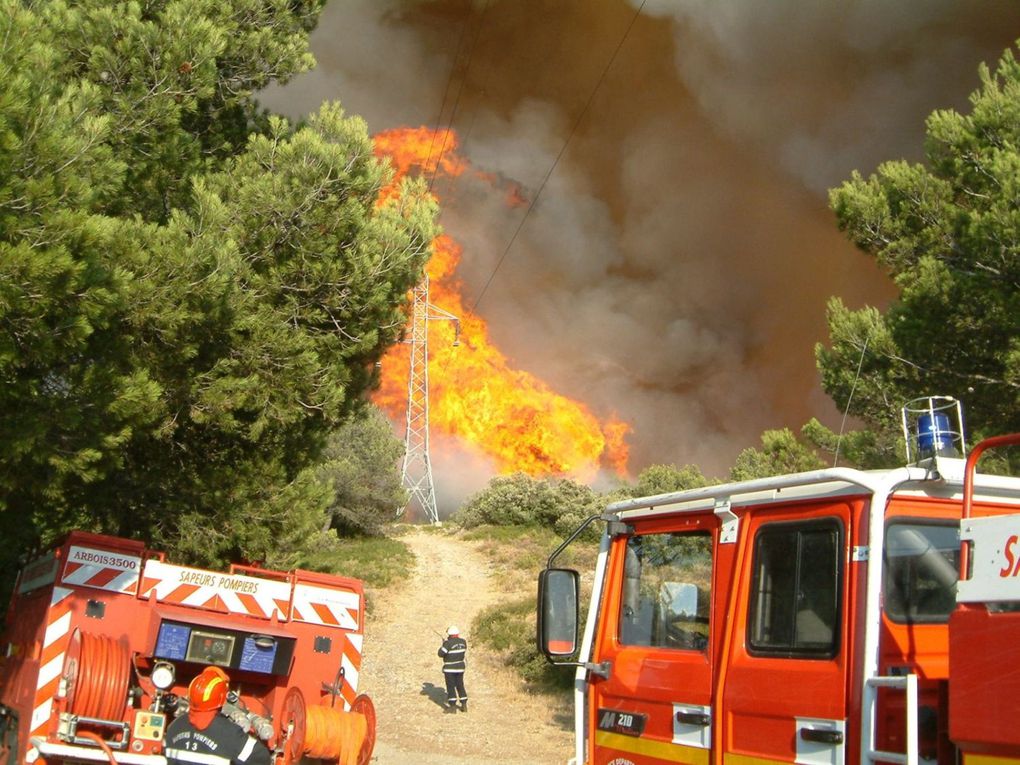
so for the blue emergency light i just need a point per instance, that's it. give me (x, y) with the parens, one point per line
(934, 435)
(933, 427)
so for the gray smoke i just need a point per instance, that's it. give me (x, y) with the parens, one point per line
(675, 267)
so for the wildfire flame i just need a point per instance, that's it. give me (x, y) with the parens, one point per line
(509, 415)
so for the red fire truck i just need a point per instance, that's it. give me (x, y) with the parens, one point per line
(103, 636)
(817, 618)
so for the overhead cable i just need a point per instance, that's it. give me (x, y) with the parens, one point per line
(460, 89)
(545, 180)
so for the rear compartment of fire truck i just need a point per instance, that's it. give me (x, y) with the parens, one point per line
(103, 637)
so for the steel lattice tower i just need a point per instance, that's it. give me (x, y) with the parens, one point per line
(417, 470)
(416, 473)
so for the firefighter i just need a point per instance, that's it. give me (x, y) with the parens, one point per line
(205, 737)
(452, 652)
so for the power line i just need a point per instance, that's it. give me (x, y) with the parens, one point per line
(446, 94)
(460, 89)
(484, 82)
(545, 180)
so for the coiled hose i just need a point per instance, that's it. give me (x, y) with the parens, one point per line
(328, 733)
(98, 669)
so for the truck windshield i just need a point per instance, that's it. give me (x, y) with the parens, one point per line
(922, 563)
(667, 587)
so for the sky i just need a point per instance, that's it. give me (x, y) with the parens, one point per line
(673, 261)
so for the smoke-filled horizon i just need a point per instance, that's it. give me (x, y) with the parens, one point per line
(675, 267)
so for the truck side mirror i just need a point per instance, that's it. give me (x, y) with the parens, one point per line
(557, 612)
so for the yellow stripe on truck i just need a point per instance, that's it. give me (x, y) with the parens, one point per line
(986, 759)
(660, 750)
(743, 759)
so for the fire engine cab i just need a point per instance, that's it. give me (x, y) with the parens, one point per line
(817, 618)
(103, 636)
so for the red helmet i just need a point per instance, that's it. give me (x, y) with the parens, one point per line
(206, 695)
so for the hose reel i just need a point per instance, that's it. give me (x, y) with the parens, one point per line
(327, 733)
(97, 669)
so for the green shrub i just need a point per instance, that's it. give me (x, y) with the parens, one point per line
(520, 500)
(509, 629)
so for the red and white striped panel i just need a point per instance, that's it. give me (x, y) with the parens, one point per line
(102, 570)
(326, 606)
(351, 662)
(51, 660)
(225, 593)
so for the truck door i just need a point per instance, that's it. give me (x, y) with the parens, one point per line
(657, 614)
(784, 675)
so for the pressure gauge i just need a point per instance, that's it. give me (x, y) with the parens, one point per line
(163, 675)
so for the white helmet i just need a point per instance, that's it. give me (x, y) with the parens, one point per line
(452, 630)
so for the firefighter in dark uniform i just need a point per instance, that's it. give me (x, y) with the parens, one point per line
(452, 652)
(205, 737)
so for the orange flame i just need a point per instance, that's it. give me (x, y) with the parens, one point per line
(511, 416)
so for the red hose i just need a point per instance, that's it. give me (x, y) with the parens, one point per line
(84, 681)
(102, 744)
(114, 699)
(103, 676)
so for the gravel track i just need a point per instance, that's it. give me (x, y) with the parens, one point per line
(504, 725)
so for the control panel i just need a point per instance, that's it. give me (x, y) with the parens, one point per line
(232, 649)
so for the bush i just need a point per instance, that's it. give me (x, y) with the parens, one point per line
(520, 500)
(361, 467)
(663, 479)
(509, 629)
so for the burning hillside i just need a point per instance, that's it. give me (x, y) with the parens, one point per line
(475, 395)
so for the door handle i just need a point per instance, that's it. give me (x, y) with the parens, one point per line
(693, 718)
(821, 736)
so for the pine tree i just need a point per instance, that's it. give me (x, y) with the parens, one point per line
(949, 234)
(193, 294)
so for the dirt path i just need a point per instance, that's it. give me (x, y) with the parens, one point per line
(403, 675)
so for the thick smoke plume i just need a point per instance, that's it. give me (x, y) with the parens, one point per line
(675, 267)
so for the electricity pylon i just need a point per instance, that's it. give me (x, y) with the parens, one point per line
(416, 473)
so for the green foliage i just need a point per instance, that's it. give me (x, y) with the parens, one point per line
(380, 561)
(865, 449)
(519, 521)
(282, 529)
(520, 500)
(362, 465)
(193, 295)
(949, 234)
(176, 80)
(664, 479)
(509, 628)
(780, 453)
